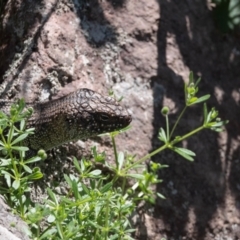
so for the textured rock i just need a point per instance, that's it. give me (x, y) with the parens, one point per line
(143, 50)
(11, 226)
(61, 53)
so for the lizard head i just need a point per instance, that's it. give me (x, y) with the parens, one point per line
(81, 114)
(99, 114)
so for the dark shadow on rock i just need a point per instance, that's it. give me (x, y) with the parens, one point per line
(234, 179)
(97, 29)
(117, 3)
(16, 30)
(194, 189)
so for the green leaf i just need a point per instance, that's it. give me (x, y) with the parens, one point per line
(32, 160)
(75, 189)
(35, 175)
(185, 92)
(85, 189)
(184, 153)
(120, 160)
(192, 101)
(94, 224)
(68, 201)
(160, 195)
(77, 166)
(162, 135)
(197, 82)
(225, 122)
(30, 130)
(217, 129)
(96, 172)
(48, 234)
(209, 117)
(52, 196)
(201, 99)
(22, 124)
(21, 105)
(3, 117)
(191, 78)
(5, 162)
(187, 151)
(68, 180)
(130, 231)
(16, 183)
(10, 134)
(8, 178)
(215, 124)
(125, 129)
(115, 133)
(60, 232)
(94, 151)
(138, 166)
(106, 187)
(20, 148)
(135, 175)
(51, 218)
(27, 169)
(205, 113)
(20, 138)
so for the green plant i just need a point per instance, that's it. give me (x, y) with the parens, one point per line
(91, 210)
(100, 198)
(16, 175)
(210, 121)
(227, 14)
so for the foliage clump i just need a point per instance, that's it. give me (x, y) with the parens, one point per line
(98, 204)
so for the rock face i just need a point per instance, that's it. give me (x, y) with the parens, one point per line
(53, 47)
(11, 226)
(65, 45)
(143, 50)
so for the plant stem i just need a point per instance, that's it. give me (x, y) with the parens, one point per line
(167, 126)
(167, 145)
(147, 156)
(115, 150)
(124, 185)
(187, 135)
(16, 173)
(176, 123)
(106, 220)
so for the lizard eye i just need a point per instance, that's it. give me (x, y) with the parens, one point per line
(104, 117)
